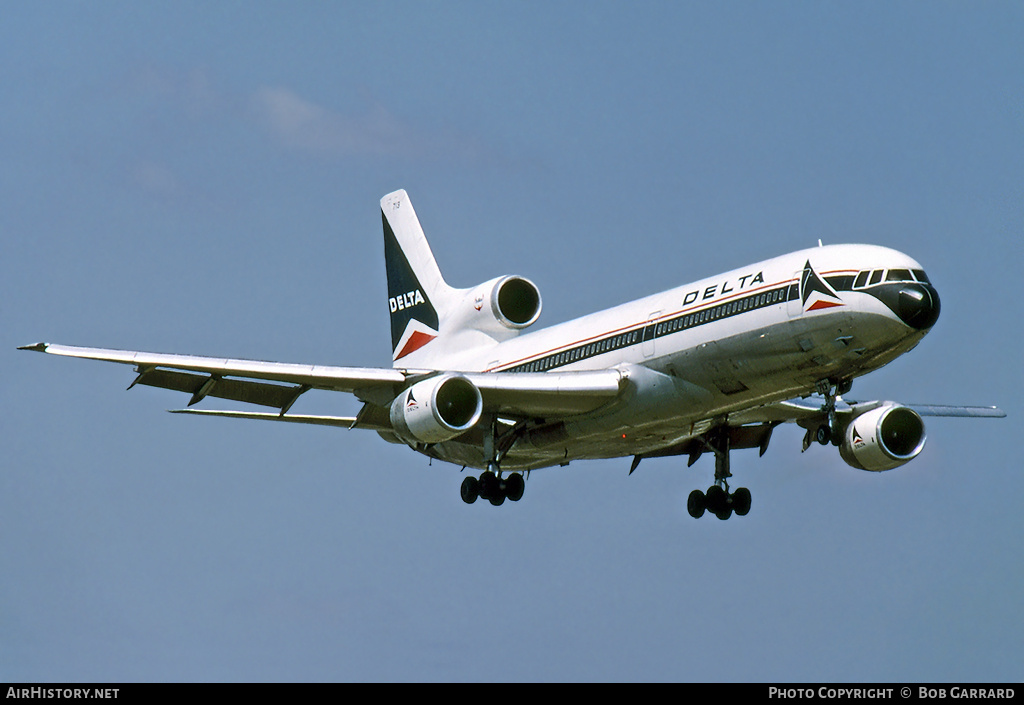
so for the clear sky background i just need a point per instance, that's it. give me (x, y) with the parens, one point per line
(204, 178)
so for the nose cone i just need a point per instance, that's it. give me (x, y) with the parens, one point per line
(918, 305)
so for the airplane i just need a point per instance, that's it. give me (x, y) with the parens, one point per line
(709, 367)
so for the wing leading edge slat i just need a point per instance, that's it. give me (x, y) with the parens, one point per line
(342, 379)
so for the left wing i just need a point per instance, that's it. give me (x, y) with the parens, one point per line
(278, 385)
(797, 410)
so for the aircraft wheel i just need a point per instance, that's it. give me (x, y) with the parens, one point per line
(741, 501)
(514, 487)
(489, 486)
(497, 499)
(724, 514)
(823, 435)
(695, 504)
(716, 500)
(470, 490)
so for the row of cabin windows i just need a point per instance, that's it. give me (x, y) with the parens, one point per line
(580, 353)
(672, 326)
(871, 277)
(717, 312)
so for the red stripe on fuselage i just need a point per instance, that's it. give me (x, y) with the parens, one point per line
(639, 327)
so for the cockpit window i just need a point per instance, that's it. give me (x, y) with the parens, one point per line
(862, 279)
(876, 276)
(899, 275)
(921, 276)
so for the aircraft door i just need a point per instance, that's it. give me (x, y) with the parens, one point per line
(794, 304)
(648, 336)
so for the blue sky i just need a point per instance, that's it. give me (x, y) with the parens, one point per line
(204, 178)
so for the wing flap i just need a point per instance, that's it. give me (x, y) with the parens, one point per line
(279, 396)
(341, 421)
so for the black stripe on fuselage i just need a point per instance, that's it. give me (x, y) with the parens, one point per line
(652, 330)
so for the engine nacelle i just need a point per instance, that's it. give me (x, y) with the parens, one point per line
(883, 438)
(436, 409)
(500, 307)
(515, 302)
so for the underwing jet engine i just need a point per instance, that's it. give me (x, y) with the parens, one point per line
(436, 409)
(883, 438)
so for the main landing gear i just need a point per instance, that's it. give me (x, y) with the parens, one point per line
(493, 488)
(718, 500)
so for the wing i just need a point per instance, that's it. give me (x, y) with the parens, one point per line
(752, 428)
(797, 410)
(278, 385)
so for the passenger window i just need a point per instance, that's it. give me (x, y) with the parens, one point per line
(876, 276)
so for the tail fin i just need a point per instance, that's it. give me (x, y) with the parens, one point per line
(416, 290)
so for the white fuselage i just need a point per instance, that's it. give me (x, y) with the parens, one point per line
(695, 354)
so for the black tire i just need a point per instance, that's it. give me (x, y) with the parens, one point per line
(497, 499)
(741, 501)
(514, 487)
(695, 504)
(823, 435)
(716, 500)
(489, 485)
(470, 490)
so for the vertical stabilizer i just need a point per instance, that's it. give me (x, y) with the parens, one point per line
(417, 292)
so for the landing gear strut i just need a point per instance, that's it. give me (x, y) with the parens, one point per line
(828, 430)
(718, 500)
(491, 486)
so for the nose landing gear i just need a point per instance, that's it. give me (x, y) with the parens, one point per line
(826, 430)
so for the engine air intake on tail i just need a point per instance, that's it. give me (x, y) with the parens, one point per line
(515, 302)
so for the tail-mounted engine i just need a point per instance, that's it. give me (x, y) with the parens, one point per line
(436, 409)
(515, 302)
(500, 307)
(883, 438)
